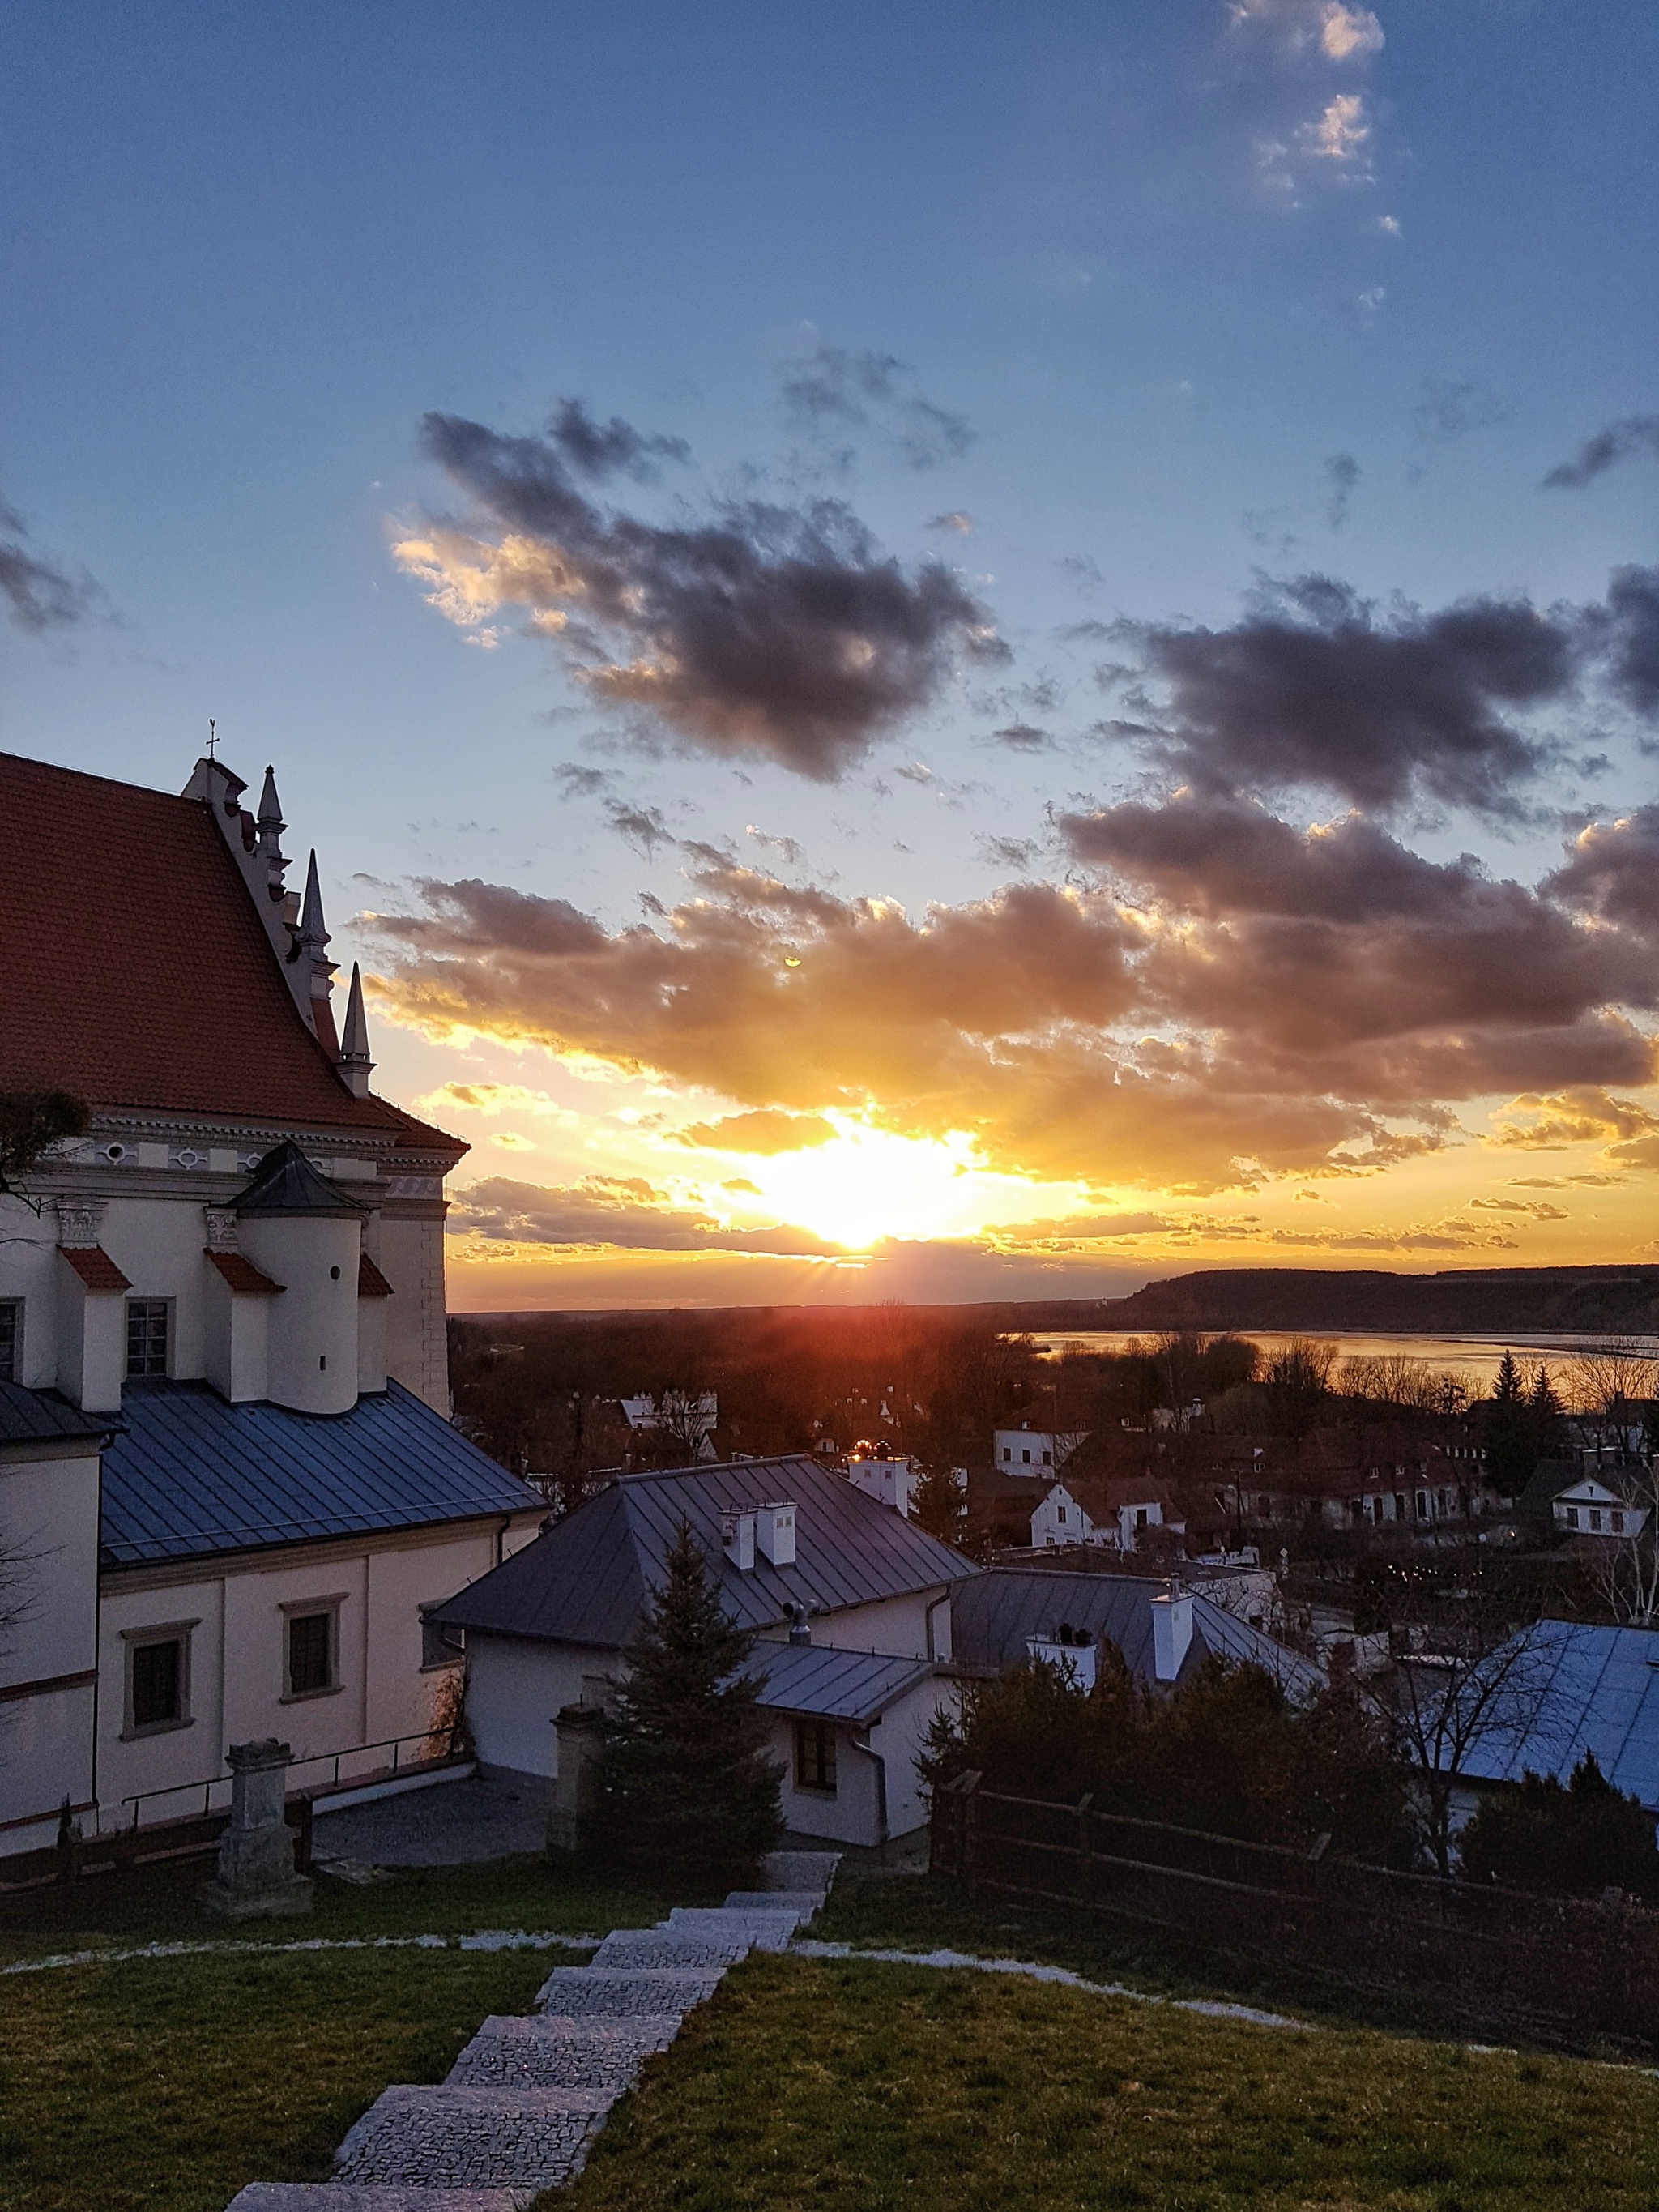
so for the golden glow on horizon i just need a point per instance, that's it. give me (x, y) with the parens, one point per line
(865, 1184)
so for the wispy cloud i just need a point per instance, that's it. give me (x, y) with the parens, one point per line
(38, 595)
(833, 390)
(1624, 441)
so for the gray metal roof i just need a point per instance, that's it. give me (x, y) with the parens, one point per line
(1576, 1688)
(28, 1417)
(285, 1182)
(585, 1579)
(822, 1683)
(192, 1476)
(991, 1616)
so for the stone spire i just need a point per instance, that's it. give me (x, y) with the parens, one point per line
(310, 956)
(355, 1065)
(269, 837)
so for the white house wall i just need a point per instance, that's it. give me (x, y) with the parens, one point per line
(513, 1694)
(237, 1656)
(897, 1626)
(49, 1520)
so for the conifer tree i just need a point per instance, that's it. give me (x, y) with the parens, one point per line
(683, 1784)
(938, 1504)
(1507, 1433)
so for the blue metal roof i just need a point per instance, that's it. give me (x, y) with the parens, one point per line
(824, 1684)
(1574, 1688)
(28, 1417)
(191, 1476)
(991, 1616)
(585, 1580)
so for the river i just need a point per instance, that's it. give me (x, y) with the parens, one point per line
(1477, 1357)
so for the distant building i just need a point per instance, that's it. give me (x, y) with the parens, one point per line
(1035, 1452)
(1113, 1514)
(891, 1478)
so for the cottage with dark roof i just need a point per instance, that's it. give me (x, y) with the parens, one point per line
(850, 1602)
(226, 1470)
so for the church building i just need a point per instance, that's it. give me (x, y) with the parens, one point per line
(230, 1493)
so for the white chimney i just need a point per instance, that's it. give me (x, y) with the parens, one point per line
(737, 1535)
(774, 1532)
(1172, 1632)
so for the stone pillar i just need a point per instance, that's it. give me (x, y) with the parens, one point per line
(580, 1730)
(256, 1873)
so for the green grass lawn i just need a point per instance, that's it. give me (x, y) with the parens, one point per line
(163, 2085)
(817, 2086)
(159, 1904)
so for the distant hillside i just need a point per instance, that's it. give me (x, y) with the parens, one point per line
(1570, 1301)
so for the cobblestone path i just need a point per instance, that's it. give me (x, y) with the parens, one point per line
(526, 2097)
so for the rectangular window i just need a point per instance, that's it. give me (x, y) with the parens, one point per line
(1573, 1516)
(1060, 1513)
(1617, 1520)
(158, 1678)
(1007, 1451)
(311, 1653)
(11, 1338)
(440, 1646)
(815, 1756)
(147, 1336)
(1595, 1520)
(1047, 1459)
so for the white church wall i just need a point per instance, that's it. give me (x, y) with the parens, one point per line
(236, 1622)
(28, 1273)
(410, 1256)
(311, 1337)
(49, 1524)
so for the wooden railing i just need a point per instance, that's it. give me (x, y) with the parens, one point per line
(1564, 1970)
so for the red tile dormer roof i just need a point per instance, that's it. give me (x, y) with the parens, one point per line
(137, 973)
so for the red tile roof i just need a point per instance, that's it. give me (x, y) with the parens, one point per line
(239, 1271)
(371, 1283)
(95, 1267)
(138, 972)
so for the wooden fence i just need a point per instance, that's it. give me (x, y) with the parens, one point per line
(1561, 1969)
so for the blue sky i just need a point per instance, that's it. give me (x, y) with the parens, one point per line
(1165, 298)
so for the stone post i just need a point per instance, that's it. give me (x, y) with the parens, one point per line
(256, 1873)
(579, 1731)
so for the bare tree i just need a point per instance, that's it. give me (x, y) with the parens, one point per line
(1610, 1386)
(1470, 1682)
(688, 1418)
(1397, 1380)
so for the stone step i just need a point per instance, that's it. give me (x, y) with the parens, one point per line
(635, 1950)
(799, 1869)
(337, 2196)
(444, 2137)
(590, 1991)
(803, 1903)
(767, 1931)
(548, 2051)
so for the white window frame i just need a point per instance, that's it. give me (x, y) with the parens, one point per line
(135, 1639)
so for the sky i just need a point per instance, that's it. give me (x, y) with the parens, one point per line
(930, 653)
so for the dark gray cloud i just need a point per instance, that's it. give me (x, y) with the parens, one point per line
(38, 596)
(1341, 474)
(1633, 640)
(1023, 737)
(1612, 872)
(1315, 687)
(625, 1211)
(1219, 856)
(1017, 853)
(473, 914)
(597, 450)
(835, 389)
(1619, 442)
(768, 631)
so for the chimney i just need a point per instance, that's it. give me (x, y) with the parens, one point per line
(774, 1532)
(355, 1065)
(1172, 1631)
(801, 1628)
(738, 1537)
